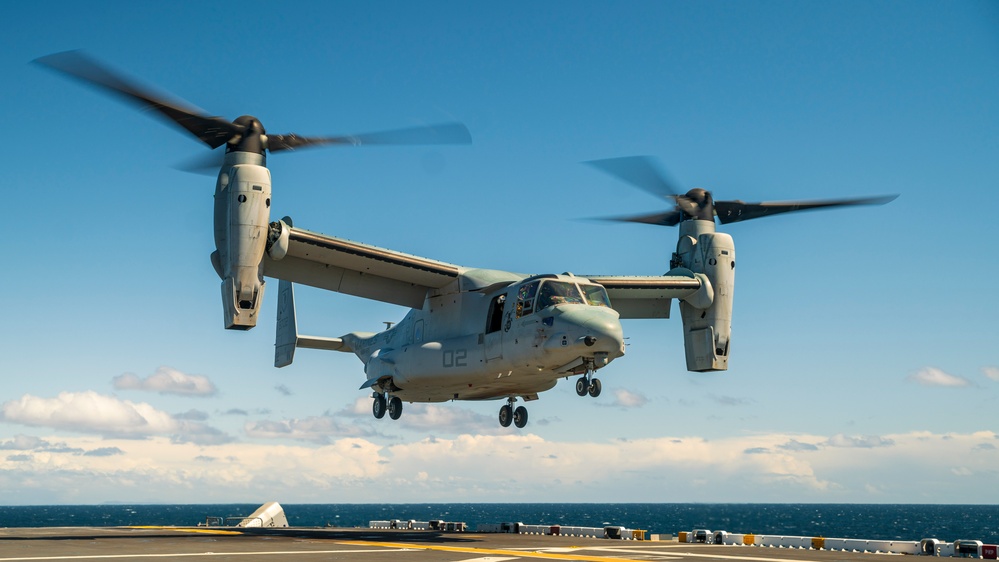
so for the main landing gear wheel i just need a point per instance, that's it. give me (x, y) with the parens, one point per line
(595, 387)
(581, 386)
(378, 406)
(395, 408)
(519, 416)
(506, 415)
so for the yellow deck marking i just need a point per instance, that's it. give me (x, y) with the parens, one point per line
(187, 530)
(174, 555)
(693, 555)
(496, 551)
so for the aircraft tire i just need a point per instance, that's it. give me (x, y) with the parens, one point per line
(395, 408)
(581, 386)
(520, 416)
(506, 415)
(595, 387)
(378, 406)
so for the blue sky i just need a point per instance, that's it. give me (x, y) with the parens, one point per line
(865, 364)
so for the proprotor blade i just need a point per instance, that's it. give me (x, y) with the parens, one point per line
(213, 131)
(641, 172)
(736, 211)
(667, 218)
(442, 133)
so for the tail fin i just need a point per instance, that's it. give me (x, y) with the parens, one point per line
(286, 338)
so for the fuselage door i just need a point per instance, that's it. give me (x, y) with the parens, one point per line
(495, 319)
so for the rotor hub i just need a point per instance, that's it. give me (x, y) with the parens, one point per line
(251, 136)
(697, 204)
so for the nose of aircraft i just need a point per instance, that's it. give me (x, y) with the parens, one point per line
(596, 329)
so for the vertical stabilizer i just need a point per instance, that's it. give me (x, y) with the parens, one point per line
(286, 337)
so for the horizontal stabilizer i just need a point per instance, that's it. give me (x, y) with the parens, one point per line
(315, 342)
(286, 339)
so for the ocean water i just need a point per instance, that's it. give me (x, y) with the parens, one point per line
(888, 522)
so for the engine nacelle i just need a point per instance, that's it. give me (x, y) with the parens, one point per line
(242, 214)
(707, 323)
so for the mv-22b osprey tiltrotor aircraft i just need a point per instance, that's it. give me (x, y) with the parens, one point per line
(472, 334)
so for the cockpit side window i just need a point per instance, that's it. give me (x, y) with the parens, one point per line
(595, 295)
(558, 292)
(525, 298)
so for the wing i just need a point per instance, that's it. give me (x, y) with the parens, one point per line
(647, 297)
(362, 270)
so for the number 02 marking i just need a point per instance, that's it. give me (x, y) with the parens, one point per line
(456, 358)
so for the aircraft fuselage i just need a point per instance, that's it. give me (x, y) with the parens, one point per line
(517, 340)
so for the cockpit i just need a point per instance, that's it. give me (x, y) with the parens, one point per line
(541, 294)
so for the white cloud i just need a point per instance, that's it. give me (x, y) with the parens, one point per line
(795, 445)
(36, 444)
(509, 467)
(167, 381)
(104, 452)
(873, 490)
(90, 412)
(729, 400)
(931, 376)
(23, 443)
(359, 408)
(316, 429)
(449, 419)
(627, 399)
(991, 372)
(859, 441)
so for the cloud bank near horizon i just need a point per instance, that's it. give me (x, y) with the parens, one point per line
(508, 468)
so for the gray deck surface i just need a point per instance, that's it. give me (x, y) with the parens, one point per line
(313, 544)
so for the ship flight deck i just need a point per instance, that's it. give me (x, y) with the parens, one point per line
(366, 545)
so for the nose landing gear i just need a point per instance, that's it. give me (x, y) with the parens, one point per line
(507, 414)
(588, 384)
(595, 387)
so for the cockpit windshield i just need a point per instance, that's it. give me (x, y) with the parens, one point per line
(553, 292)
(558, 292)
(595, 295)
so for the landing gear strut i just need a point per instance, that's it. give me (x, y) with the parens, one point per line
(507, 414)
(588, 384)
(595, 387)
